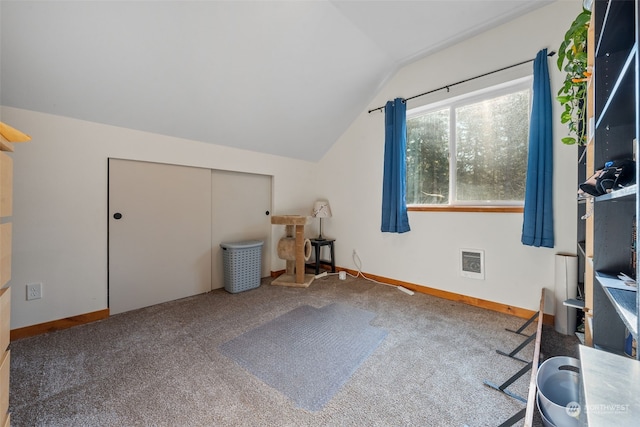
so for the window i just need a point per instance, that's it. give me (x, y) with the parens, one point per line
(470, 150)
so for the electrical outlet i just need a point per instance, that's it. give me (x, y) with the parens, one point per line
(34, 291)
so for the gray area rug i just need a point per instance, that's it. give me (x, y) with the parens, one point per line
(308, 353)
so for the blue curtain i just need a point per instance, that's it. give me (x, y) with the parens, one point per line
(537, 229)
(394, 182)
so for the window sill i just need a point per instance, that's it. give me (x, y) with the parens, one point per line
(448, 208)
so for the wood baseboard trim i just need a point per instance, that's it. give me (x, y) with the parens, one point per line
(56, 325)
(548, 319)
(278, 273)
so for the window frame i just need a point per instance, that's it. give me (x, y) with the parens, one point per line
(469, 98)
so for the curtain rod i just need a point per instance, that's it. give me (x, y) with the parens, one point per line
(464, 81)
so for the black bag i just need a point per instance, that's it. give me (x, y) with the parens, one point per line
(614, 175)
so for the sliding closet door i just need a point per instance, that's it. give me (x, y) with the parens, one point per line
(159, 233)
(241, 208)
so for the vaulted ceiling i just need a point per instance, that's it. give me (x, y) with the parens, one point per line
(278, 77)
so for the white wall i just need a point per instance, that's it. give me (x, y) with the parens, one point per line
(60, 204)
(352, 171)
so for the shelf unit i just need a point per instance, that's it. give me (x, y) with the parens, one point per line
(610, 244)
(614, 310)
(6, 211)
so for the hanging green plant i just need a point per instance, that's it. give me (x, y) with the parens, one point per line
(572, 59)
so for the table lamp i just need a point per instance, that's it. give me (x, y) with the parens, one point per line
(9, 134)
(321, 210)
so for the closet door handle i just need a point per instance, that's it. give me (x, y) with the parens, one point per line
(267, 213)
(117, 215)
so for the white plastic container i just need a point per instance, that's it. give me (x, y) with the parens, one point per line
(558, 382)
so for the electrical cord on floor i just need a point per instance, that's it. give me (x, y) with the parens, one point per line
(358, 263)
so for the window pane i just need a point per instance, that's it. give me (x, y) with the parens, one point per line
(428, 158)
(491, 148)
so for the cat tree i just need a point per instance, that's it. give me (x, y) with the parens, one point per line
(295, 249)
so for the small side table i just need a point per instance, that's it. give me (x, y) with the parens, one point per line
(317, 245)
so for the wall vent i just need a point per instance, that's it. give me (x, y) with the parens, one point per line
(472, 263)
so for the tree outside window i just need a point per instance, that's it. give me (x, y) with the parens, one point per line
(489, 136)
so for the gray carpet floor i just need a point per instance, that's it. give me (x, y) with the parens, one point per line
(161, 366)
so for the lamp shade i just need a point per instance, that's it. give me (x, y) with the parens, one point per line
(321, 209)
(9, 134)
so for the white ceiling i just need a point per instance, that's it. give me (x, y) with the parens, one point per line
(279, 77)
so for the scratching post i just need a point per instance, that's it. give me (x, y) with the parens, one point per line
(295, 249)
